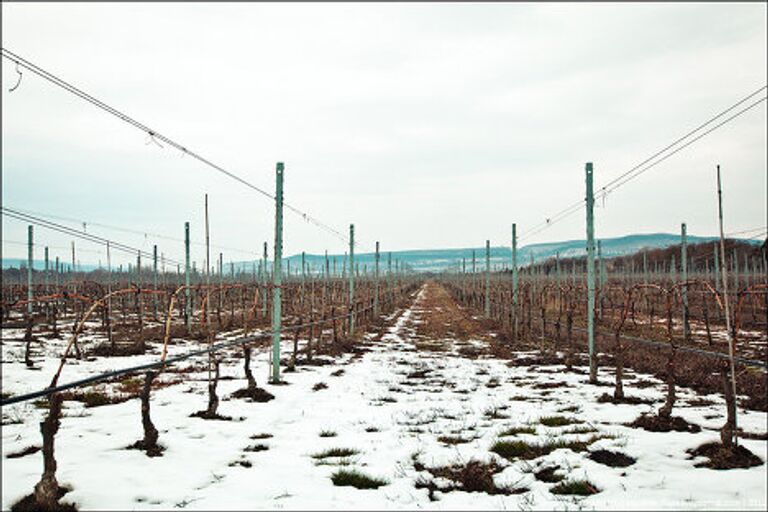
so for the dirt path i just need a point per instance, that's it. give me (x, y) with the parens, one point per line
(441, 325)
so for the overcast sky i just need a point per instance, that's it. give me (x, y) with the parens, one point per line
(428, 126)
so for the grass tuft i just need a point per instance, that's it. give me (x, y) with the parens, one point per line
(453, 439)
(327, 433)
(335, 452)
(558, 421)
(513, 431)
(514, 449)
(578, 487)
(356, 479)
(256, 448)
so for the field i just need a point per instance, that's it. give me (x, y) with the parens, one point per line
(427, 404)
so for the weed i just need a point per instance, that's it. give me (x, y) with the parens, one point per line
(513, 431)
(453, 439)
(327, 433)
(335, 452)
(256, 448)
(356, 479)
(558, 421)
(494, 413)
(578, 487)
(612, 459)
(548, 475)
(524, 450)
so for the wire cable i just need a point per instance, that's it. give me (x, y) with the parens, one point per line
(641, 168)
(132, 231)
(79, 234)
(156, 136)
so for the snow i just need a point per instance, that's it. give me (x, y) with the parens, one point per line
(197, 472)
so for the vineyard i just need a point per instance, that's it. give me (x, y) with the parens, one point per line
(606, 367)
(416, 348)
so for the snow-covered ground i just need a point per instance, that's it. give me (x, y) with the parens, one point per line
(390, 405)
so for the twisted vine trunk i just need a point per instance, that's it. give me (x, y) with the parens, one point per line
(149, 442)
(213, 399)
(28, 340)
(47, 489)
(247, 367)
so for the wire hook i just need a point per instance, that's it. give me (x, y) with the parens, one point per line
(18, 82)
(151, 139)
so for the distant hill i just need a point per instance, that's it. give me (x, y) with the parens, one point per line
(436, 260)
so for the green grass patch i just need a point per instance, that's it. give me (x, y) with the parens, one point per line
(558, 421)
(356, 479)
(453, 439)
(518, 449)
(335, 452)
(578, 487)
(580, 429)
(513, 431)
(495, 413)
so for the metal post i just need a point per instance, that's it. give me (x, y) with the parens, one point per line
(30, 238)
(154, 278)
(591, 276)
(514, 272)
(684, 278)
(277, 275)
(46, 269)
(726, 306)
(109, 294)
(264, 282)
(351, 279)
(487, 279)
(376, 276)
(187, 293)
(74, 286)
